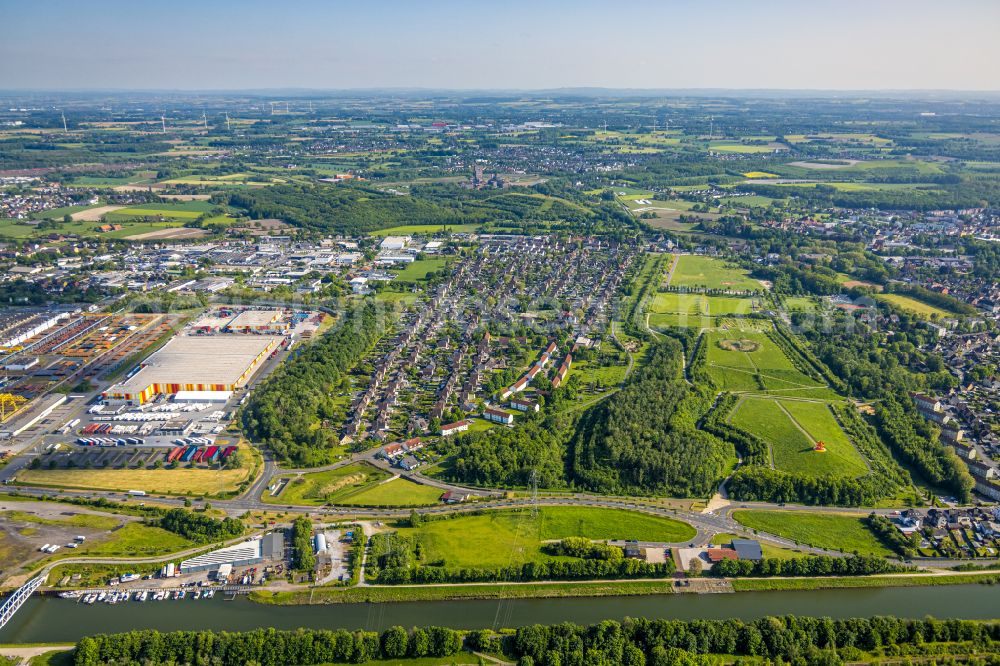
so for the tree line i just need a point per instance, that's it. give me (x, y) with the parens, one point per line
(283, 411)
(821, 641)
(813, 565)
(266, 647)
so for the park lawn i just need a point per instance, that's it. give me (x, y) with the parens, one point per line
(427, 229)
(180, 481)
(678, 320)
(419, 269)
(739, 370)
(729, 305)
(691, 304)
(396, 492)
(502, 538)
(709, 273)
(913, 305)
(318, 488)
(791, 448)
(817, 419)
(834, 531)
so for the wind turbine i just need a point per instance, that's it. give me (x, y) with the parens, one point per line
(163, 122)
(65, 129)
(204, 120)
(227, 121)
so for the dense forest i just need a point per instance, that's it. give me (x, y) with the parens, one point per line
(199, 527)
(642, 441)
(634, 642)
(344, 209)
(282, 413)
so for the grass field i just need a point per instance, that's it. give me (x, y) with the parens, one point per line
(397, 492)
(709, 273)
(419, 269)
(318, 488)
(135, 540)
(792, 428)
(500, 538)
(913, 305)
(764, 369)
(801, 304)
(831, 531)
(180, 481)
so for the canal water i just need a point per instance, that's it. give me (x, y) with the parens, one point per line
(47, 619)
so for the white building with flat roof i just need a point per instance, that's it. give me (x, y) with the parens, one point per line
(195, 363)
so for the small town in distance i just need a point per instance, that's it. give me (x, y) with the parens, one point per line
(415, 366)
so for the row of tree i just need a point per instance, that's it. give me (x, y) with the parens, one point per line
(633, 642)
(266, 647)
(303, 557)
(813, 565)
(284, 411)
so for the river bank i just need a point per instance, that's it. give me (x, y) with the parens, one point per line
(408, 593)
(54, 620)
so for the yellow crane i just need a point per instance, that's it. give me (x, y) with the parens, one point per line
(10, 403)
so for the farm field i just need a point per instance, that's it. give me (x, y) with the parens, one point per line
(500, 538)
(181, 481)
(832, 531)
(913, 305)
(792, 428)
(318, 488)
(748, 148)
(695, 271)
(395, 492)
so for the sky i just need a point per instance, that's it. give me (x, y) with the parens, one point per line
(500, 44)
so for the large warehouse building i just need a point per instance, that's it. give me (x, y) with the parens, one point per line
(195, 363)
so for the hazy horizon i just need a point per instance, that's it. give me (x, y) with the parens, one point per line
(775, 45)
